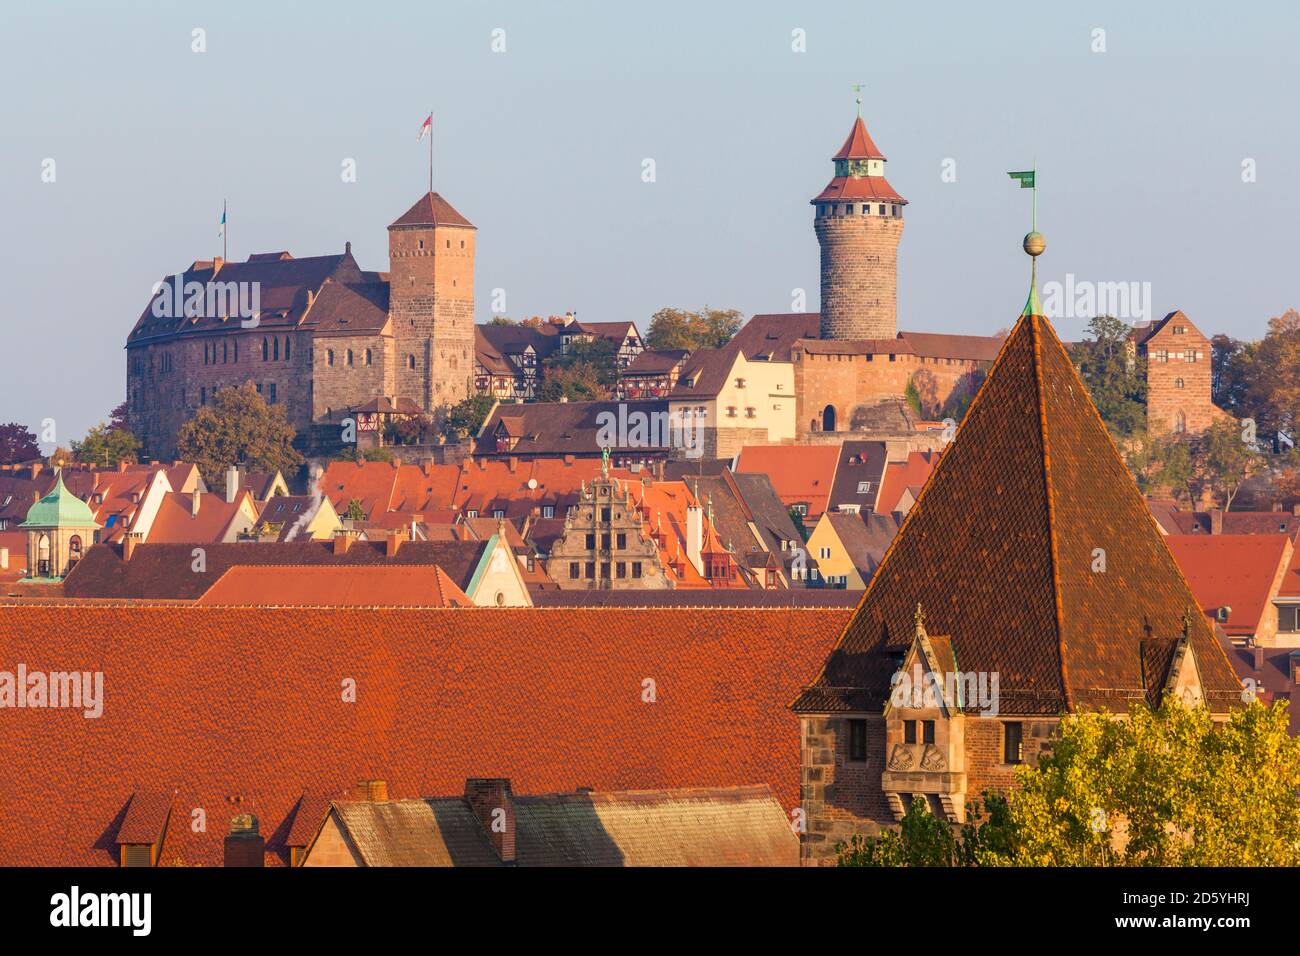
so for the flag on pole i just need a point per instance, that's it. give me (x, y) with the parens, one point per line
(222, 232)
(1026, 178)
(425, 128)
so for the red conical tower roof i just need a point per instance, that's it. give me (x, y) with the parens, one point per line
(859, 144)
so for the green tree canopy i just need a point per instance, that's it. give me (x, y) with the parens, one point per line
(585, 371)
(104, 446)
(467, 417)
(1115, 376)
(705, 328)
(238, 427)
(17, 443)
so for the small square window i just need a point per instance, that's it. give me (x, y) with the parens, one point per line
(927, 731)
(909, 731)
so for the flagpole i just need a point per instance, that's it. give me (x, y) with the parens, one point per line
(225, 229)
(430, 150)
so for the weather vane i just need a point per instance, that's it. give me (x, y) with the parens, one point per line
(857, 89)
(1034, 244)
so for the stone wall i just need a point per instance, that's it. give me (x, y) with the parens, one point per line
(859, 276)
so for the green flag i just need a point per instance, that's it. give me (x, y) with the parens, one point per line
(1026, 178)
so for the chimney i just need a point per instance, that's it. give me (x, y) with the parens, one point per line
(371, 791)
(4, 559)
(194, 503)
(1216, 521)
(129, 542)
(695, 536)
(393, 542)
(568, 459)
(1259, 658)
(568, 318)
(34, 469)
(513, 463)
(342, 541)
(244, 844)
(121, 465)
(494, 806)
(232, 484)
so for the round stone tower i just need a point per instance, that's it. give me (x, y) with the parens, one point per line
(859, 220)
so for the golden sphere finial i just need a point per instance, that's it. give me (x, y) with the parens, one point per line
(1034, 244)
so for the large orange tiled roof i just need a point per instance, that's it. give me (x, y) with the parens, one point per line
(1001, 551)
(913, 472)
(240, 710)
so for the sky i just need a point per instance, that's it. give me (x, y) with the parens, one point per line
(1165, 137)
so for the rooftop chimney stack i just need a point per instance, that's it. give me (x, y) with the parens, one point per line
(232, 484)
(372, 791)
(4, 559)
(393, 542)
(244, 846)
(131, 539)
(194, 503)
(494, 806)
(1216, 521)
(342, 541)
(695, 536)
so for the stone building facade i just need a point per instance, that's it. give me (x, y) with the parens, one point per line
(603, 545)
(859, 221)
(1179, 376)
(317, 336)
(978, 629)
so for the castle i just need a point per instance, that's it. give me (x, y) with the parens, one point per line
(317, 335)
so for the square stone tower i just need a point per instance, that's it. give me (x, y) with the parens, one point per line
(431, 300)
(859, 221)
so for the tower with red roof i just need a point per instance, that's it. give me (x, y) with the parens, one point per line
(431, 300)
(859, 220)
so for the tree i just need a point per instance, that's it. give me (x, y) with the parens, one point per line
(467, 417)
(1172, 467)
(105, 446)
(988, 837)
(703, 329)
(501, 320)
(586, 371)
(117, 418)
(1224, 460)
(17, 443)
(356, 510)
(1113, 373)
(238, 427)
(1163, 788)
(1232, 372)
(1274, 391)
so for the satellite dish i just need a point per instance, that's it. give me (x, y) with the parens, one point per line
(532, 484)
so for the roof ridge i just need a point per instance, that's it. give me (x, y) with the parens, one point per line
(1053, 551)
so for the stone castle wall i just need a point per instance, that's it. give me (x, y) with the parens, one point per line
(859, 276)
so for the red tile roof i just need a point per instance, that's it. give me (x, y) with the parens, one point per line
(176, 522)
(239, 710)
(1236, 571)
(1000, 551)
(1291, 580)
(901, 475)
(336, 586)
(859, 144)
(870, 188)
(801, 474)
(431, 210)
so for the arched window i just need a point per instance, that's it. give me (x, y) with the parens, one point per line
(349, 356)
(1178, 383)
(329, 357)
(225, 352)
(1180, 423)
(43, 556)
(275, 349)
(266, 349)
(828, 419)
(286, 348)
(74, 548)
(410, 361)
(367, 356)
(236, 350)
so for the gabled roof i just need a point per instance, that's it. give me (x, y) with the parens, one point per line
(865, 537)
(723, 826)
(431, 210)
(176, 522)
(336, 586)
(769, 336)
(652, 362)
(1000, 552)
(899, 476)
(801, 474)
(350, 308)
(560, 428)
(705, 373)
(1237, 571)
(444, 694)
(164, 572)
(861, 462)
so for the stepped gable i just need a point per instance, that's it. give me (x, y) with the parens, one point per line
(999, 553)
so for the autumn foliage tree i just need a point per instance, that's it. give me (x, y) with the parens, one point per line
(238, 427)
(17, 443)
(704, 328)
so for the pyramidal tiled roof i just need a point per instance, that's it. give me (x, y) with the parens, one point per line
(431, 210)
(859, 144)
(1000, 551)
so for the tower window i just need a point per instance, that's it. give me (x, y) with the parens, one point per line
(349, 357)
(448, 243)
(1011, 743)
(1178, 383)
(858, 740)
(275, 350)
(329, 357)
(368, 357)
(410, 361)
(421, 243)
(286, 348)
(882, 209)
(909, 731)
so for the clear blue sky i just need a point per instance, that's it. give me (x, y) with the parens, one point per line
(1139, 151)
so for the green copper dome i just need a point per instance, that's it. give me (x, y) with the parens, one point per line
(60, 509)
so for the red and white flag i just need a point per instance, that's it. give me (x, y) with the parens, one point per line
(425, 128)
